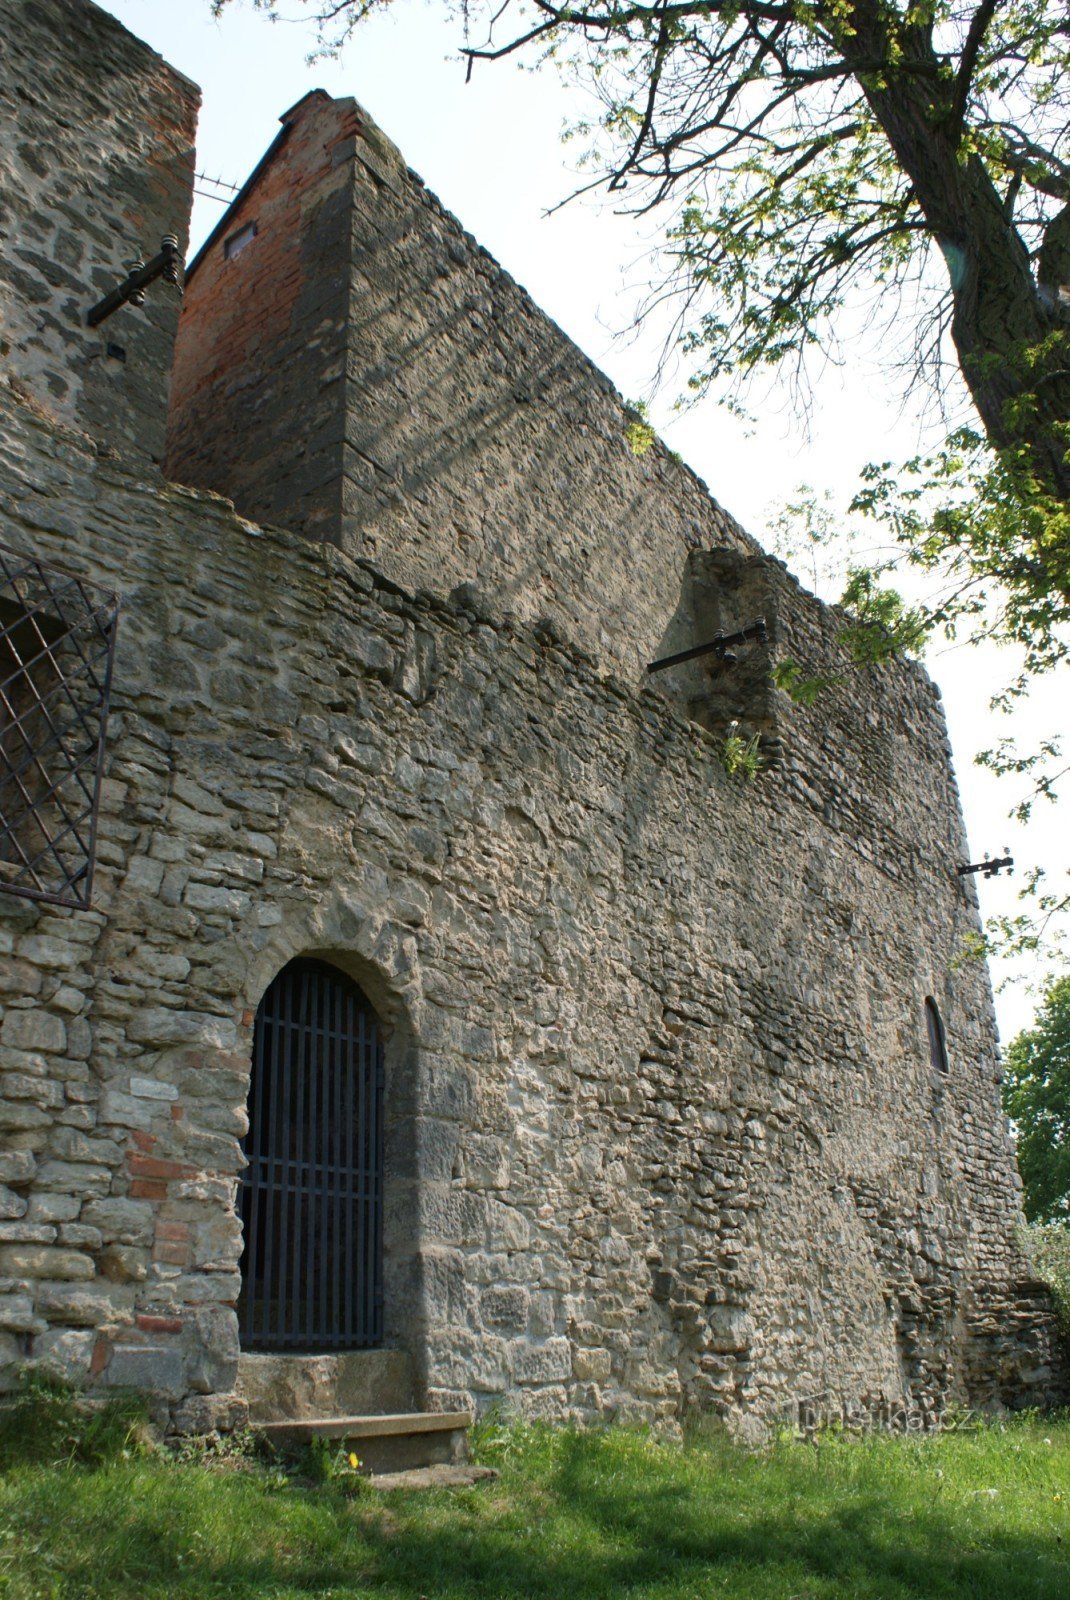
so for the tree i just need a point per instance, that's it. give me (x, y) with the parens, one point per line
(1036, 1095)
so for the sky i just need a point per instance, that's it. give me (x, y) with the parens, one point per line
(491, 149)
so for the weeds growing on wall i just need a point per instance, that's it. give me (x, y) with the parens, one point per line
(48, 1423)
(740, 754)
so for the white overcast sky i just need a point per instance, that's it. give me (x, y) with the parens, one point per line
(491, 151)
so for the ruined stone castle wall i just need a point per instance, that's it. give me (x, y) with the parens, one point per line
(96, 164)
(664, 1129)
(454, 435)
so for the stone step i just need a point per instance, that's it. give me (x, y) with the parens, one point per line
(293, 1388)
(393, 1442)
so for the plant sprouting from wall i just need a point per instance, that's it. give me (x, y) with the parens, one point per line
(740, 753)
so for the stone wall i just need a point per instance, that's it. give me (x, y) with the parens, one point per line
(96, 163)
(664, 1130)
(449, 431)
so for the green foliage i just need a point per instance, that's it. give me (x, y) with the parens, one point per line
(882, 626)
(788, 675)
(1036, 1096)
(48, 1422)
(328, 1461)
(1047, 1244)
(740, 754)
(638, 432)
(612, 1512)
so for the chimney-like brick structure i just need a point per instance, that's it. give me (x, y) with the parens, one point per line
(352, 365)
(257, 404)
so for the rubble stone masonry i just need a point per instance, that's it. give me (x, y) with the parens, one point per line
(663, 1129)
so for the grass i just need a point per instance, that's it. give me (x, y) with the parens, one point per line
(574, 1516)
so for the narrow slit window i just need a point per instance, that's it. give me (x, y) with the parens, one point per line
(238, 240)
(934, 1023)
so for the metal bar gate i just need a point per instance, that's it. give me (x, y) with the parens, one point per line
(311, 1195)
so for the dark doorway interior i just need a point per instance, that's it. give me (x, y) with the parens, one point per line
(312, 1193)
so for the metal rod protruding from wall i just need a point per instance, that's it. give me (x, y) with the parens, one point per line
(990, 869)
(167, 264)
(716, 647)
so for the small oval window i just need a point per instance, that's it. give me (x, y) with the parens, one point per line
(934, 1023)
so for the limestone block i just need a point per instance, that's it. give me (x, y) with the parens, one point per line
(68, 999)
(21, 1116)
(152, 1089)
(79, 1039)
(210, 1340)
(73, 1177)
(158, 1025)
(206, 897)
(541, 1363)
(19, 977)
(486, 1162)
(23, 1231)
(65, 1352)
(42, 1092)
(11, 1204)
(202, 1414)
(544, 1405)
(71, 1145)
(48, 952)
(90, 1305)
(731, 1329)
(461, 1359)
(17, 1166)
(157, 1369)
(126, 1222)
(125, 1110)
(217, 1243)
(17, 1315)
(42, 1261)
(80, 1236)
(53, 1207)
(592, 1365)
(34, 1030)
(507, 1227)
(505, 1308)
(123, 1263)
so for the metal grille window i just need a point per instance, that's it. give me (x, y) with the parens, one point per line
(57, 645)
(312, 1193)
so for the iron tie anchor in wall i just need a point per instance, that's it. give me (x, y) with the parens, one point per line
(166, 264)
(988, 867)
(716, 647)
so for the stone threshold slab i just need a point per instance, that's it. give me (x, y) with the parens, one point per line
(369, 1427)
(441, 1477)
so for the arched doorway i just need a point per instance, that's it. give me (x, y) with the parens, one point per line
(312, 1192)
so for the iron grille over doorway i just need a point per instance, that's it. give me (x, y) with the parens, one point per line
(311, 1195)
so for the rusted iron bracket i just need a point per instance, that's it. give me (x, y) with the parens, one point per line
(988, 868)
(720, 647)
(166, 264)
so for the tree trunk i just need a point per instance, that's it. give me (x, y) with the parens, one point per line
(1012, 337)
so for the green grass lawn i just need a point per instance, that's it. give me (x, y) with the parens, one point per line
(574, 1516)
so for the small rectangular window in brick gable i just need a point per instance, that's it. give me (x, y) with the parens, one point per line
(57, 645)
(236, 243)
